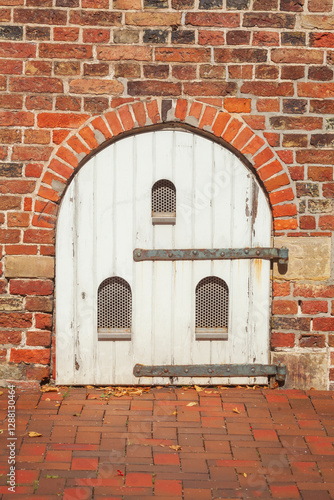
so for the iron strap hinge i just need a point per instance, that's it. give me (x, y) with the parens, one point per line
(280, 254)
(247, 370)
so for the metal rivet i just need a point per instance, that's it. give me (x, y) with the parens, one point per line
(222, 254)
(227, 369)
(253, 369)
(170, 254)
(195, 252)
(210, 370)
(257, 252)
(139, 253)
(186, 370)
(165, 370)
(246, 251)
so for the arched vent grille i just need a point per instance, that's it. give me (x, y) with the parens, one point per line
(163, 197)
(211, 303)
(114, 304)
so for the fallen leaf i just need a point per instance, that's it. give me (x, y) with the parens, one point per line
(236, 410)
(191, 404)
(1, 393)
(48, 388)
(175, 447)
(198, 389)
(76, 414)
(89, 387)
(1, 431)
(119, 473)
(208, 392)
(239, 387)
(58, 404)
(174, 413)
(162, 445)
(52, 477)
(159, 387)
(47, 399)
(244, 474)
(33, 434)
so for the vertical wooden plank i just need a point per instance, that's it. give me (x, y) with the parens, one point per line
(143, 271)
(104, 254)
(221, 234)
(260, 281)
(65, 277)
(240, 269)
(183, 318)
(84, 339)
(123, 242)
(202, 231)
(163, 275)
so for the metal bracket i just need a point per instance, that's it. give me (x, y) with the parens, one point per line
(280, 254)
(257, 370)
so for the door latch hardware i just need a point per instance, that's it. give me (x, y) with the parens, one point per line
(280, 254)
(247, 370)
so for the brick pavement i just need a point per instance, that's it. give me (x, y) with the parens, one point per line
(168, 443)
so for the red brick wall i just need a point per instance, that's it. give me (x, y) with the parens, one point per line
(263, 74)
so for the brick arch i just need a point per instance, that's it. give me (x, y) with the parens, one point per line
(220, 125)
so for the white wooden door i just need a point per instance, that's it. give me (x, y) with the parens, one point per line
(106, 213)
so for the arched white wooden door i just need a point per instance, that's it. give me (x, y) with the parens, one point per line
(147, 310)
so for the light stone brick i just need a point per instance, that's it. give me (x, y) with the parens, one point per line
(309, 258)
(29, 266)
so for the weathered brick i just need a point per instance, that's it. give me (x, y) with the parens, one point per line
(153, 71)
(291, 123)
(38, 338)
(293, 38)
(240, 55)
(269, 20)
(40, 16)
(312, 341)
(15, 320)
(153, 87)
(295, 106)
(155, 36)
(11, 32)
(116, 53)
(279, 339)
(183, 36)
(267, 88)
(38, 33)
(40, 356)
(224, 20)
(98, 35)
(321, 73)
(96, 86)
(307, 189)
(95, 18)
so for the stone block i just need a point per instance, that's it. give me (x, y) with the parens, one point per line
(29, 266)
(304, 370)
(10, 303)
(309, 258)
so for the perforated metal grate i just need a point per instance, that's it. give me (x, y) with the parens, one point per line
(211, 303)
(114, 304)
(163, 197)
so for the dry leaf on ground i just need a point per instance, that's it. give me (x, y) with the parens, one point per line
(175, 447)
(198, 389)
(48, 388)
(191, 404)
(236, 410)
(33, 434)
(1, 393)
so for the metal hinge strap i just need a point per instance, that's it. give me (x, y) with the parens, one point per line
(280, 254)
(247, 370)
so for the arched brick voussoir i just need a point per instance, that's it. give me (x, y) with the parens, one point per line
(270, 168)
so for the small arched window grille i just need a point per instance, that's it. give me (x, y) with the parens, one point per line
(114, 309)
(163, 202)
(211, 309)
